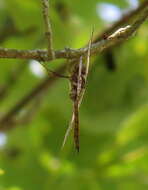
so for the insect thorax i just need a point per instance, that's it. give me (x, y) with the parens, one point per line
(75, 81)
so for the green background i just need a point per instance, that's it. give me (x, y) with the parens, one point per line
(113, 116)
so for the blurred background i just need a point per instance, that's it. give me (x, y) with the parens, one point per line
(37, 109)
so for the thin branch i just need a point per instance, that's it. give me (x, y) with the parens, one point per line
(124, 20)
(11, 81)
(5, 122)
(54, 73)
(42, 55)
(57, 74)
(29, 112)
(48, 31)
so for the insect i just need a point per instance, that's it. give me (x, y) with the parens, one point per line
(78, 82)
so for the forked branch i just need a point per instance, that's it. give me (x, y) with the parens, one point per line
(99, 44)
(115, 38)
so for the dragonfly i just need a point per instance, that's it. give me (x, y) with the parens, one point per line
(78, 83)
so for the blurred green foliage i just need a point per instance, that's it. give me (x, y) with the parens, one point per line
(114, 114)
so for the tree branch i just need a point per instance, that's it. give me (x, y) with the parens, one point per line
(48, 31)
(42, 55)
(7, 120)
(125, 19)
(11, 81)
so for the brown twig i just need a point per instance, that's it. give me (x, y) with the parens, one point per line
(30, 112)
(48, 31)
(115, 38)
(11, 81)
(126, 18)
(40, 55)
(37, 91)
(54, 73)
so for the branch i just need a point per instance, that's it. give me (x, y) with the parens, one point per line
(42, 55)
(54, 73)
(5, 122)
(27, 116)
(11, 81)
(48, 31)
(48, 82)
(125, 19)
(122, 21)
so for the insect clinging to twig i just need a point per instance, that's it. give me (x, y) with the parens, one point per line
(78, 81)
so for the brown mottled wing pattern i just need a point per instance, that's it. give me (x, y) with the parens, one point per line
(78, 80)
(78, 89)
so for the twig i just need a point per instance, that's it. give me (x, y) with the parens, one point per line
(11, 81)
(112, 40)
(54, 73)
(42, 55)
(48, 31)
(37, 91)
(126, 18)
(30, 112)
(57, 74)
